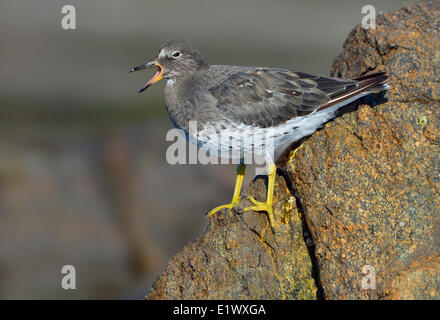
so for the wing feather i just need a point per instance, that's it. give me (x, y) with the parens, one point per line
(265, 97)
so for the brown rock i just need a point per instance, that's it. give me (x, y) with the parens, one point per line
(238, 257)
(368, 185)
(369, 182)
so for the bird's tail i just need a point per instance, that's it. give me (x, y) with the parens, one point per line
(372, 83)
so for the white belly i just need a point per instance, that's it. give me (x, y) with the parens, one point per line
(237, 140)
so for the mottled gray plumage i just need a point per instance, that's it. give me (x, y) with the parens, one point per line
(267, 97)
(249, 113)
(252, 97)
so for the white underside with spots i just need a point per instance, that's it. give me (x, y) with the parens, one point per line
(238, 141)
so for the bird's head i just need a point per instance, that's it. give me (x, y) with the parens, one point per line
(176, 59)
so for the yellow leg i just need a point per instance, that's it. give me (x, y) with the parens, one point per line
(268, 205)
(236, 197)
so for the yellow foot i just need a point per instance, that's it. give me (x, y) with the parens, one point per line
(231, 205)
(262, 206)
(236, 197)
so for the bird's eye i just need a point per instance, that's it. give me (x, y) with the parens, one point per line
(176, 54)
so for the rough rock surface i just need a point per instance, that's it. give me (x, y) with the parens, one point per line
(367, 186)
(369, 182)
(238, 256)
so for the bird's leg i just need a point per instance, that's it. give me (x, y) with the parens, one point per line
(268, 205)
(236, 197)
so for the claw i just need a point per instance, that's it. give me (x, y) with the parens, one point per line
(217, 209)
(252, 199)
(261, 206)
(293, 152)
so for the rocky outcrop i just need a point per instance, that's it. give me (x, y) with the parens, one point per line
(238, 257)
(363, 194)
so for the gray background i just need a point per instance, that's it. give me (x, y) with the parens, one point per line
(83, 175)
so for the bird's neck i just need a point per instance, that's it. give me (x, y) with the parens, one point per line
(181, 96)
(175, 100)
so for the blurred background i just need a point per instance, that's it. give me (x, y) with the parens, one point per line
(83, 175)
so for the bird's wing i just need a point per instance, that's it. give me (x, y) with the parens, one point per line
(268, 97)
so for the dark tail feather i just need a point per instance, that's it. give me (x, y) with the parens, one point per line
(377, 79)
(380, 76)
(372, 83)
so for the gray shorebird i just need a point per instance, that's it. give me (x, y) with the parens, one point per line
(236, 102)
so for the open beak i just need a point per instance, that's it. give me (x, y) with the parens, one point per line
(156, 77)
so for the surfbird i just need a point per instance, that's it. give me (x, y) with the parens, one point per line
(229, 104)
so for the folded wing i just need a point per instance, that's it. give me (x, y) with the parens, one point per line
(267, 97)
